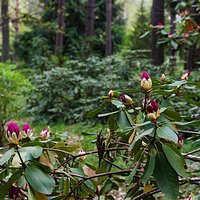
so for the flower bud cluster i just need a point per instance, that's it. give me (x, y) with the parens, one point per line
(153, 110)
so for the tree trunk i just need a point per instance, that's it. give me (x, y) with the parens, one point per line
(108, 27)
(16, 25)
(193, 54)
(89, 31)
(172, 59)
(60, 31)
(157, 17)
(5, 30)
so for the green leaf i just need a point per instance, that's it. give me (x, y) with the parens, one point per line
(149, 168)
(35, 151)
(107, 114)
(118, 104)
(166, 177)
(131, 175)
(143, 124)
(6, 186)
(7, 156)
(178, 83)
(167, 133)
(39, 180)
(93, 113)
(185, 123)
(146, 132)
(123, 122)
(3, 173)
(144, 35)
(174, 44)
(176, 160)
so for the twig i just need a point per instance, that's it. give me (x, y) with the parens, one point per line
(191, 152)
(193, 158)
(95, 176)
(59, 150)
(189, 132)
(141, 196)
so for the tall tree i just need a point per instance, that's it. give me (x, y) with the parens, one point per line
(89, 31)
(157, 18)
(60, 31)
(172, 58)
(5, 30)
(16, 24)
(108, 27)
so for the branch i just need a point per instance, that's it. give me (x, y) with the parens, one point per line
(92, 177)
(189, 132)
(191, 152)
(145, 194)
(193, 158)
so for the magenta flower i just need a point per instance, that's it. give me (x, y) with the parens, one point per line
(13, 133)
(27, 131)
(145, 75)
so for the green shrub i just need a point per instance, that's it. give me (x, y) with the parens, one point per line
(13, 86)
(71, 91)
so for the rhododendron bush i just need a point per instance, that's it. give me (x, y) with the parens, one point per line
(138, 153)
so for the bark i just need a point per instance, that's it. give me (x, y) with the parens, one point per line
(193, 54)
(157, 17)
(172, 59)
(16, 24)
(60, 31)
(5, 30)
(89, 30)
(108, 27)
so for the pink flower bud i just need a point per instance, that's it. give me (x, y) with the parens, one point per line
(146, 82)
(80, 153)
(126, 100)
(45, 134)
(153, 111)
(27, 131)
(110, 94)
(13, 133)
(185, 75)
(180, 141)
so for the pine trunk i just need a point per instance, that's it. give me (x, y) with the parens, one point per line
(172, 59)
(60, 31)
(5, 31)
(89, 30)
(108, 27)
(157, 17)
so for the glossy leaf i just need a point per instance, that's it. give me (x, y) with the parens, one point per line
(35, 151)
(117, 103)
(6, 157)
(149, 168)
(167, 133)
(176, 160)
(166, 177)
(107, 114)
(39, 180)
(123, 122)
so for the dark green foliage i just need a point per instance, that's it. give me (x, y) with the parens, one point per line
(40, 41)
(70, 92)
(140, 26)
